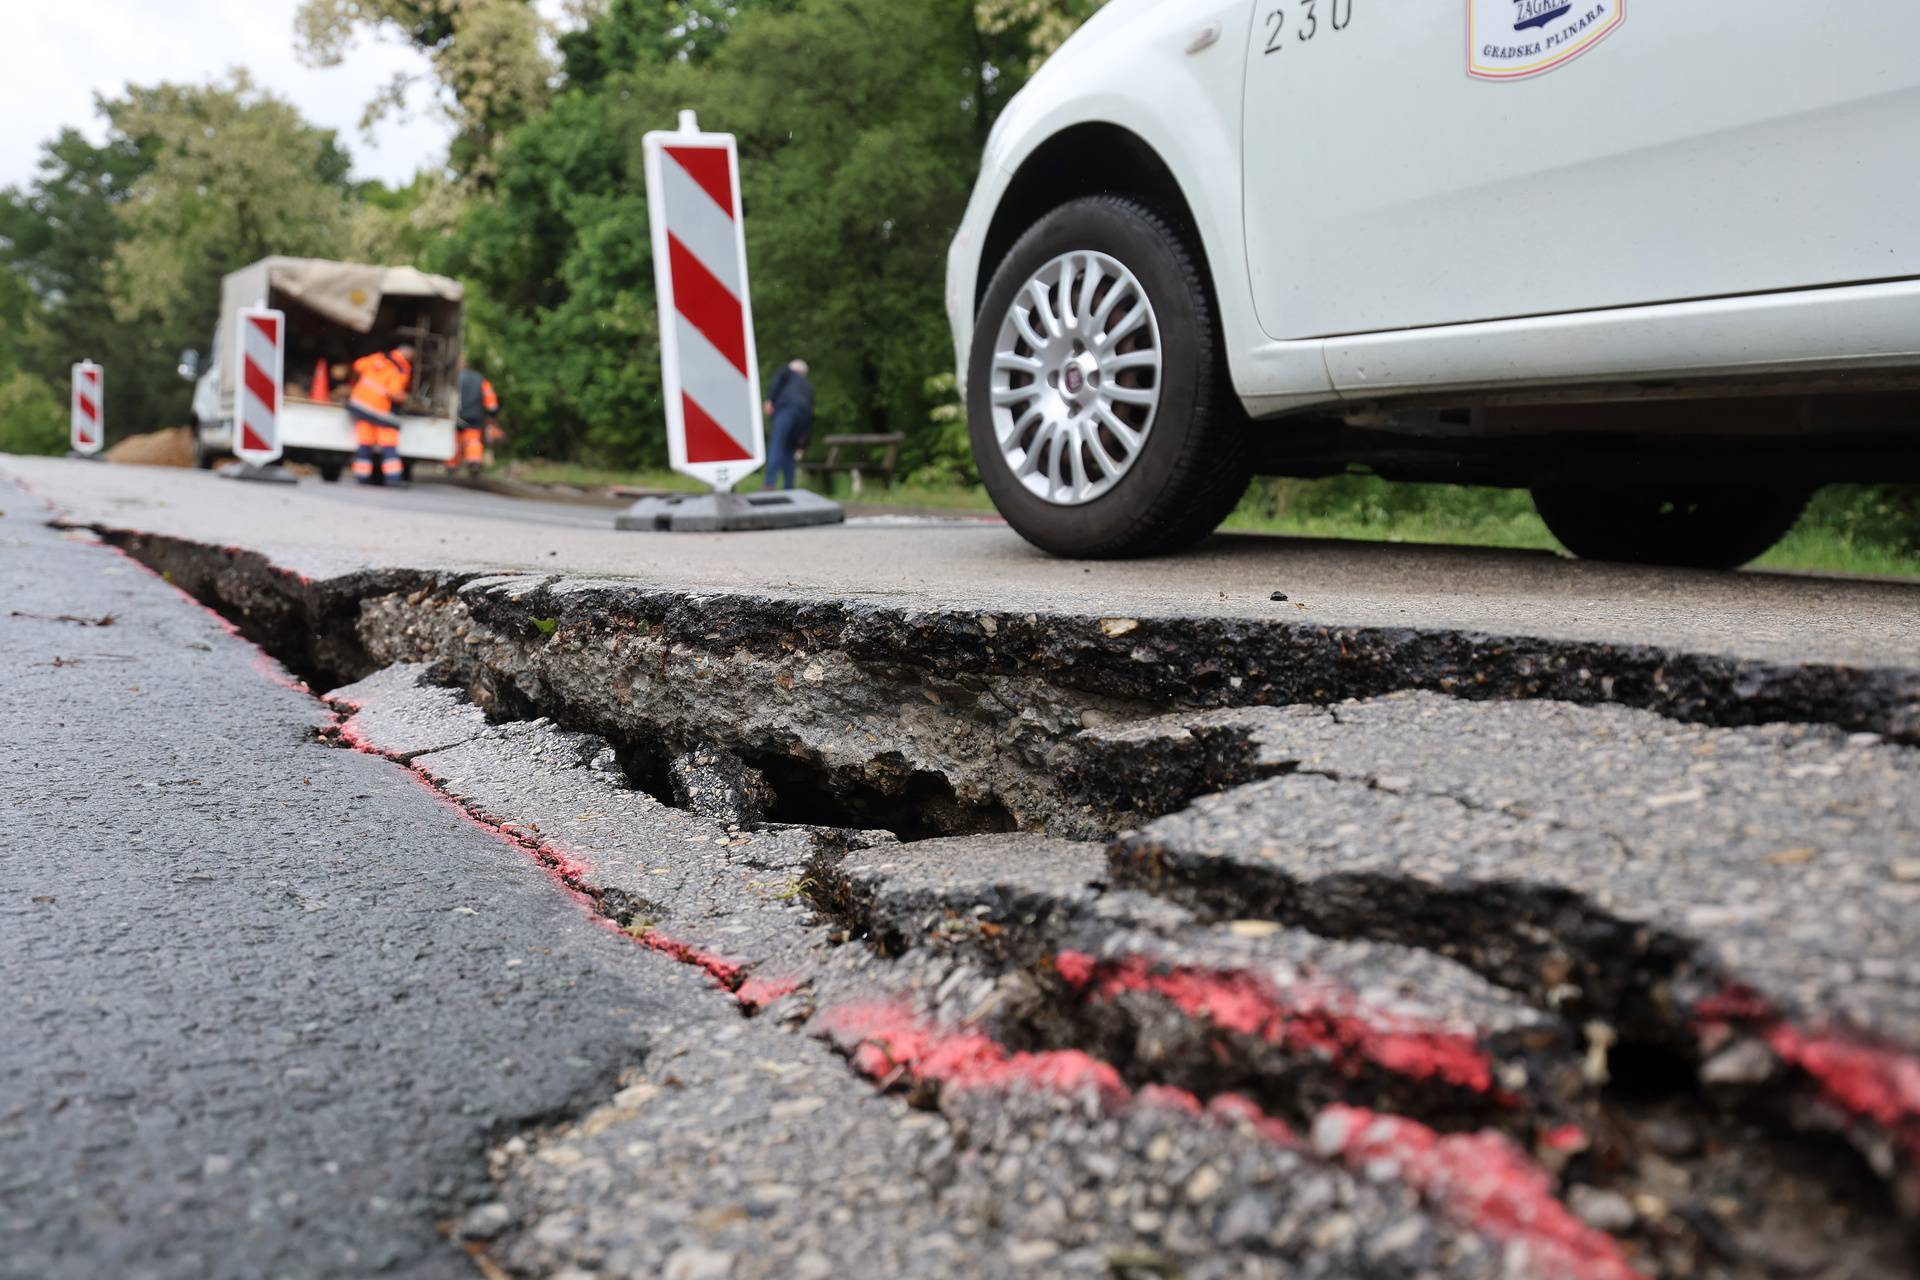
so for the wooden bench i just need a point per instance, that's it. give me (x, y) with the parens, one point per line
(862, 449)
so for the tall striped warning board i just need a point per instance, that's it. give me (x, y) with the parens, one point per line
(709, 365)
(89, 415)
(261, 360)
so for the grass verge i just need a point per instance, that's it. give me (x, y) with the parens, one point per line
(1852, 529)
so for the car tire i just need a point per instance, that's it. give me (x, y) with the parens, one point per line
(329, 472)
(1187, 464)
(1701, 528)
(203, 457)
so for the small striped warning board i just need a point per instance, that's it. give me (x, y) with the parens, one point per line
(261, 362)
(710, 372)
(89, 416)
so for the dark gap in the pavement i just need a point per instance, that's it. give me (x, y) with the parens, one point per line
(915, 804)
(1719, 1186)
(1546, 944)
(1550, 945)
(646, 770)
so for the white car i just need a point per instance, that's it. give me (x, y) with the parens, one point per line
(1657, 262)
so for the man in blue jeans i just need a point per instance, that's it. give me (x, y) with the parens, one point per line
(790, 407)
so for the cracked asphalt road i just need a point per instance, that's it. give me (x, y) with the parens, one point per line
(1393, 983)
(266, 1001)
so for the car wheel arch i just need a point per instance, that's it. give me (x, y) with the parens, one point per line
(1093, 158)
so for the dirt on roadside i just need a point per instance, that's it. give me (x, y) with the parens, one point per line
(171, 447)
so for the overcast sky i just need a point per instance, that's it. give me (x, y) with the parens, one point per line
(60, 53)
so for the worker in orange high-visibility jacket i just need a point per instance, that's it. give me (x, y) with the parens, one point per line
(381, 383)
(479, 417)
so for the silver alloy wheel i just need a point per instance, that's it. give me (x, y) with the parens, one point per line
(1076, 378)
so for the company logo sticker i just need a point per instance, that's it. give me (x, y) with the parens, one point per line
(1514, 39)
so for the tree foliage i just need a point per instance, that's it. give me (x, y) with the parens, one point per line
(853, 183)
(487, 57)
(236, 175)
(861, 123)
(31, 414)
(1043, 25)
(119, 247)
(57, 236)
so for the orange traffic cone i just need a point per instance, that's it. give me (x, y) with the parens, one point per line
(321, 391)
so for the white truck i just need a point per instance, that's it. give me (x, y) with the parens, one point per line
(336, 313)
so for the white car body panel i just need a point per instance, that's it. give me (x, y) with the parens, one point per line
(1825, 330)
(1746, 220)
(1701, 150)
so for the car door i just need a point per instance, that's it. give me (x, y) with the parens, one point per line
(1413, 164)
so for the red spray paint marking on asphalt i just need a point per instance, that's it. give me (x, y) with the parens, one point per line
(886, 1041)
(569, 872)
(732, 976)
(1317, 1018)
(1237, 1109)
(574, 875)
(1481, 1180)
(1867, 1081)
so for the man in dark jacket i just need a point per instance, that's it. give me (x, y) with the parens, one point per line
(790, 407)
(479, 418)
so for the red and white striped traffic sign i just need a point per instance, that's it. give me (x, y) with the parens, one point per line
(89, 416)
(261, 362)
(709, 365)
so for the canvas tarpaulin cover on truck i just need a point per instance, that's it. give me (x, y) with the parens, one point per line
(338, 310)
(347, 293)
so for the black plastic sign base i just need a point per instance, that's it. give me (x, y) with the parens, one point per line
(730, 512)
(272, 473)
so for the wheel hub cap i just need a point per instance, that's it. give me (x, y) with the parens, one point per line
(1076, 378)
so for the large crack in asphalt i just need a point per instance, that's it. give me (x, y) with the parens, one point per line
(1611, 1056)
(1300, 1025)
(966, 717)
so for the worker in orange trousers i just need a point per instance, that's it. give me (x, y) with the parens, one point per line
(383, 380)
(479, 419)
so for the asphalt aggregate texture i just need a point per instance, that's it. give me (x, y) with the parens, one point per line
(267, 1001)
(927, 962)
(325, 531)
(1312, 990)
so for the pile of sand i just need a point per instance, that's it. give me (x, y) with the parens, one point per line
(172, 447)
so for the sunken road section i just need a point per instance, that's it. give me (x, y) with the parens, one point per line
(936, 721)
(1177, 947)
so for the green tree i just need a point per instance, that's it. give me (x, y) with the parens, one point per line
(559, 253)
(1042, 25)
(31, 416)
(236, 176)
(119, 247)
(853, 182)
(33, 419)
(57, 235)
(487, 55)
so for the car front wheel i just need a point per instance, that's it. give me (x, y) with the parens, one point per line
(1702, 528)
(1102, 418)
